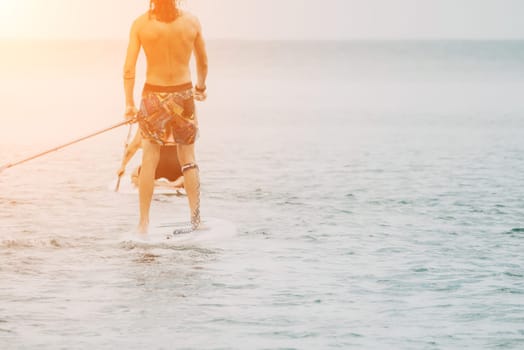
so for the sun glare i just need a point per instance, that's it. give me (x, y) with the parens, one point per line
(11, 17)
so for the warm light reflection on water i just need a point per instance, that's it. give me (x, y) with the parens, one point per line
(59, 90)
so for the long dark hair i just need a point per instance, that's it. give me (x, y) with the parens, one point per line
(164, 10)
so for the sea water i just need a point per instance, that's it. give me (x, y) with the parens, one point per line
(376, 186)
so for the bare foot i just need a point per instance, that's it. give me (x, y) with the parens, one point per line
(203, 227)
(142, 229)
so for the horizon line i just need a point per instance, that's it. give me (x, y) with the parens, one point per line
(239, 39)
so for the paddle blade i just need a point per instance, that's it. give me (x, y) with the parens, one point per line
(117, 187)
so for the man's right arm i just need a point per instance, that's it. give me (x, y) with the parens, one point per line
(200, 58)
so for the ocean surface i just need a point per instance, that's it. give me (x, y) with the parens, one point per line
(377, 188)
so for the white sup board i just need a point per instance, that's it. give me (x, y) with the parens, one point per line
(161, 233)
(127, 187)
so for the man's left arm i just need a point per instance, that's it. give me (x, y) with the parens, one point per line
(201, 63)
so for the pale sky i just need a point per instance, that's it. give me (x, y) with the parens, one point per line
(275, 19)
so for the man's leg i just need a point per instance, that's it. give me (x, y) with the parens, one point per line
(135, 176)
(186, 157)
(150, 157)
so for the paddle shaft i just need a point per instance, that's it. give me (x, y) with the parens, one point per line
(125, 149)
(10, 165)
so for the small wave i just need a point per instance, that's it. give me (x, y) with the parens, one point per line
(145, 250)
(514, 274)
(257, 232)
(33, 243)
(12, 202)
(515, 232)
(131, 244)
(147, 258)
(509, 290)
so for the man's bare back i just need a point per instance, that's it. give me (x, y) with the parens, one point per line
(168, 48)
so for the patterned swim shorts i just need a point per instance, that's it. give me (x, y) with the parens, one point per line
(167, 114)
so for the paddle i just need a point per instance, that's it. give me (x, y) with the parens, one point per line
(10, 165)
(125, 149)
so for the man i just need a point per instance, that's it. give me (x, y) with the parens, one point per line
(167, 113)
(168, 167)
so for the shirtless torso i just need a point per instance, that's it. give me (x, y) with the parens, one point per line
(168, 48)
